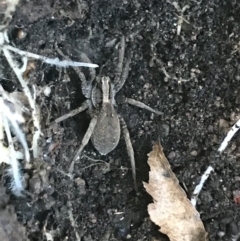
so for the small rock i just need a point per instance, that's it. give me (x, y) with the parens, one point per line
(88, 237)
(81, 184)
(233, 146)
(92, 217)
(232, 228)
(47, 91)
(226, 220)
(236, 196)
(218, 101)
(128, 236)
(206, 197)
(194, 153)
(221, 234)
(172, 155)
(10, 228)
(234, 117)
(35, 184)
(223, 124)
(166, 129)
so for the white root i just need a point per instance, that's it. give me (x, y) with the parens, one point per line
(229, 136)
(10, 7)
(72, 220)
(11, 119)
(56, 61)
(14, 170)
(18, 72)
(199, 187)
(7, 49)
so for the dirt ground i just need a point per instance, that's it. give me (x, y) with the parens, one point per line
(193, 78)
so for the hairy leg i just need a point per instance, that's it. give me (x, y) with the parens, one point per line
(85, 105)
(118, 71)
(141, 105)
(130, 150)
(121, 71)
(86, 84)
(85, 141)
(121, 81)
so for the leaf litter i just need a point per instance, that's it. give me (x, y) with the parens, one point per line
(171, 210)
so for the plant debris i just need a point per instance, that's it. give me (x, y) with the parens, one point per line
(10, 228)
(229, 136)
(171, 210)
(199, 187)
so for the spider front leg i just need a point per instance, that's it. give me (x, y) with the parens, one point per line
(141, 105)
(121, 71)
(85, 105)
(119, 68)
(85, 141)
(86, 84)
(123, 77)
(130, 150)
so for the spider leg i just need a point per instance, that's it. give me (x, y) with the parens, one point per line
(118, 71)
(130, 150)
(96, 96)
(85, 141)
(85, 105)
(141, 105)
(92, 71)
(123, 78)
(121, 71)
(86, 84)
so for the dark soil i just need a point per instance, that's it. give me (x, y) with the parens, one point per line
(200, 100)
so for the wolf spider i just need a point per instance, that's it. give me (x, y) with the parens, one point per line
(105, 125)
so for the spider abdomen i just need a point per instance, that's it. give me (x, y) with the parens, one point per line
(106, 133)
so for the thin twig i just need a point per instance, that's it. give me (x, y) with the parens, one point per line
(16, 184)
(229, 136)
(199, 187)
(30, 99)
(71, 218)
(55, 61)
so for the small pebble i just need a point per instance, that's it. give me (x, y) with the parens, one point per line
(47, 91)
(21, 34)
(234, 117)
(35, 184)
(232, 228)
(128, 236)
(193, 153)
(172, 155)
(81, 184)
(93, 218)
(166, 129)
(223, 124)
(221, 234)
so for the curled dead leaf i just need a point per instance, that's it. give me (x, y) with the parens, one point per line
(171, 210)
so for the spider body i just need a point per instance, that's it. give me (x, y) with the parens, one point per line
(106, 134)
(106, 124)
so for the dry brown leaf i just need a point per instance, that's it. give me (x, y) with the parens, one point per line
(171, 210)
